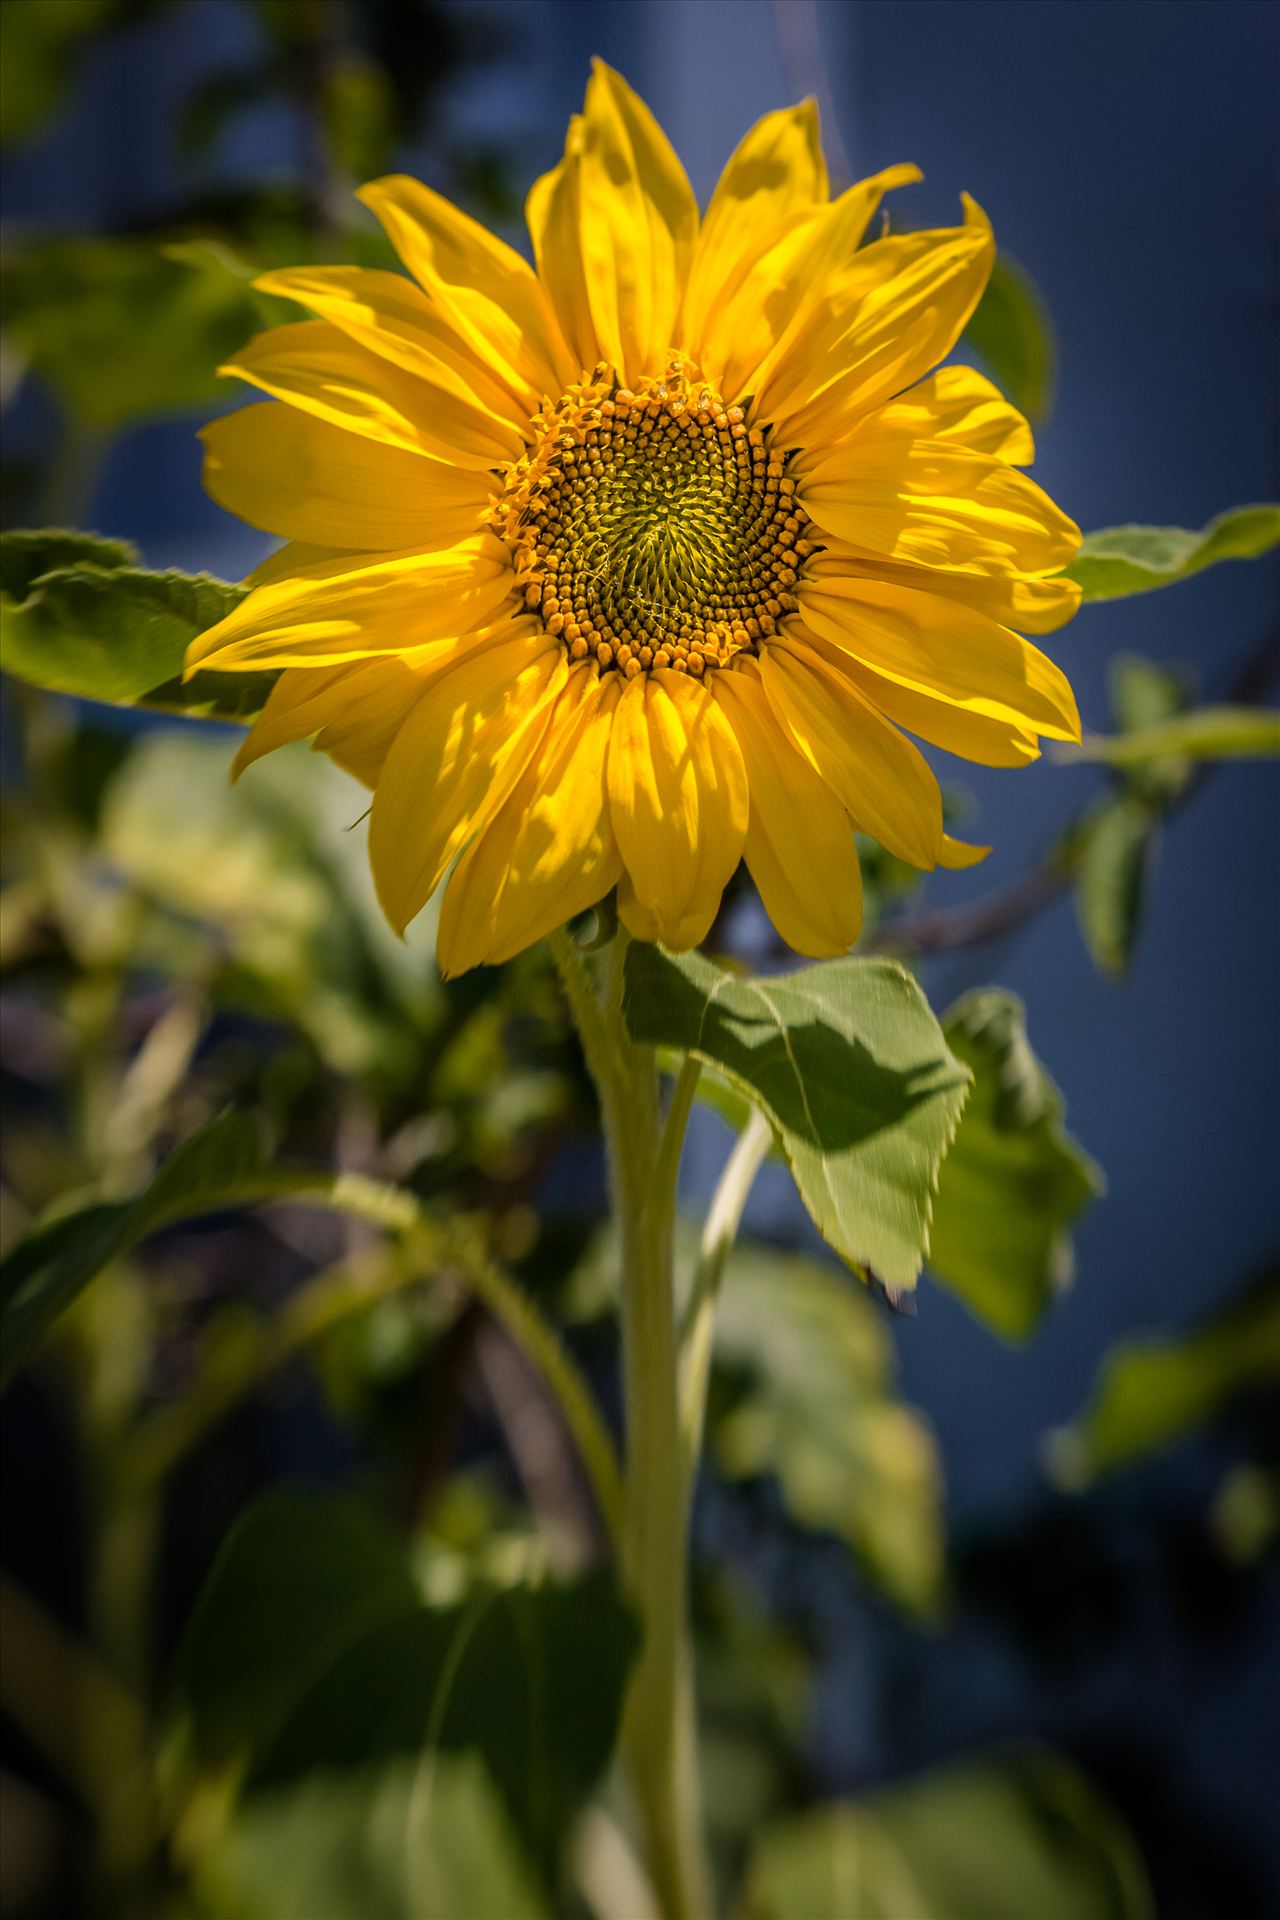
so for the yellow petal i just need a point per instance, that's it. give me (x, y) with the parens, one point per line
(453, 763)
(1030, 605)
(973, 736)
(488, 293)
(553, 211)
(366, 702)
(810, 273)
(958, 853)
(549, 852)
(295, 557)
(405, 602)
(932, 503)
(956, 403)
(306, 480)
(392, 317)
(315, 367)
(886, 786)
(888, 319)
(946, 652)
(615, 230)
(678, 793)
(799, 846)
(776, 173)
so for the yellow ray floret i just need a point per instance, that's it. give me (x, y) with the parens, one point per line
(626, 567)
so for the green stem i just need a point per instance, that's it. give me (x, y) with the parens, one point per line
(718, 1235)
(658, 1736)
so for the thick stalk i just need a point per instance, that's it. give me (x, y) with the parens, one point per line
(658, 1735)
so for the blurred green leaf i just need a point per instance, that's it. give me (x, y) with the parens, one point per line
(414, 1840)
(269, 878)
(1013, 1181)
(1121, 560)
(1111, 879)
(1206, 733)
(1154, 1391)
(1144, 693)
(1011, 331)
(220, 1166)
(851, 1068)
(104, 629)
(1019, 1839)
(41, 42)
(121, 328)
(297, 1581)
(814, 1403)
(315, 1655)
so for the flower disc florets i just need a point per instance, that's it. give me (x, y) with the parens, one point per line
(651, 527)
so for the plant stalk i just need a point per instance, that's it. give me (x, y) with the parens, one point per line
(658, 1734)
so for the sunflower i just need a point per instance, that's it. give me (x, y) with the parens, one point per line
(616, 571)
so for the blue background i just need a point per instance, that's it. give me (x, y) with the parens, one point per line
(1127, 154)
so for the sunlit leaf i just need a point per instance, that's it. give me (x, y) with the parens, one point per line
(104, 629)
(1011, 331)
(1206, 733)
(851, 1068)
(1154, 1391)
(1117, 561)
(423, 1839)
(1021, 1839)
(810, 1363)
(1013, 1181)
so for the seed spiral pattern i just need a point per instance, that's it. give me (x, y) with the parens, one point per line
(651, 527)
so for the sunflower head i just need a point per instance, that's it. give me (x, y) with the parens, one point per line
(623, 567)
(653, 528)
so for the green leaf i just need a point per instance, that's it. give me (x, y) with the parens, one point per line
(298, 1580)
(265, 880)
(1121, 560)
(1020, 1839)
(1014, 1179)
(1206, 733)
(812, 1400)
(1010, 330)
(312, 1654)
(414, 1840)
(121, 328)
(103, 629)
(40, 45)
(25, 556)
(1154, 1391)
(852, 1070)
(1111, 879)
(220, 1166)
(1143, 693)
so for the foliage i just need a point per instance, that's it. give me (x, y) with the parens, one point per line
(993, 1841)
(1155, 1391)
(282, 1207)
(806, 1393)
(1118, 561)
(851, 1068)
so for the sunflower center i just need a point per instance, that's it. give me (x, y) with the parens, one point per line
(652, 527)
